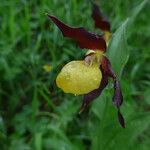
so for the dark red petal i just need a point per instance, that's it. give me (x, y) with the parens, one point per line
(81, 36)
(88, 98)
(121, 119)
(100, 20)
(117, 98)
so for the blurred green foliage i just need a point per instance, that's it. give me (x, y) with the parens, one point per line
(35, 114)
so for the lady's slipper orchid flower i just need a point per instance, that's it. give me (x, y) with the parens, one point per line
(89, 76)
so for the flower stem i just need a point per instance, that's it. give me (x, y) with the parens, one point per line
(100, 129)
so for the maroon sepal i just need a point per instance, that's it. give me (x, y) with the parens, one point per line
(88, 98)
(81, 36)
(100, 20)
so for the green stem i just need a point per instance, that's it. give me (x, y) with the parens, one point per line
(100, 131)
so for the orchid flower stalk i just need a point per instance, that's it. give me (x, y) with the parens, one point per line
(89, 76)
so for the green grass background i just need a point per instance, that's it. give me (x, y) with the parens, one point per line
(34, 113)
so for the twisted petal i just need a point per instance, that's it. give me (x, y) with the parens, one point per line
(117, 98)
(81, 36)
(121, 119)
(100, 20)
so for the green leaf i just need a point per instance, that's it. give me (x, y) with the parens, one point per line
(135, 12)
(118, 52)
(38, 141)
